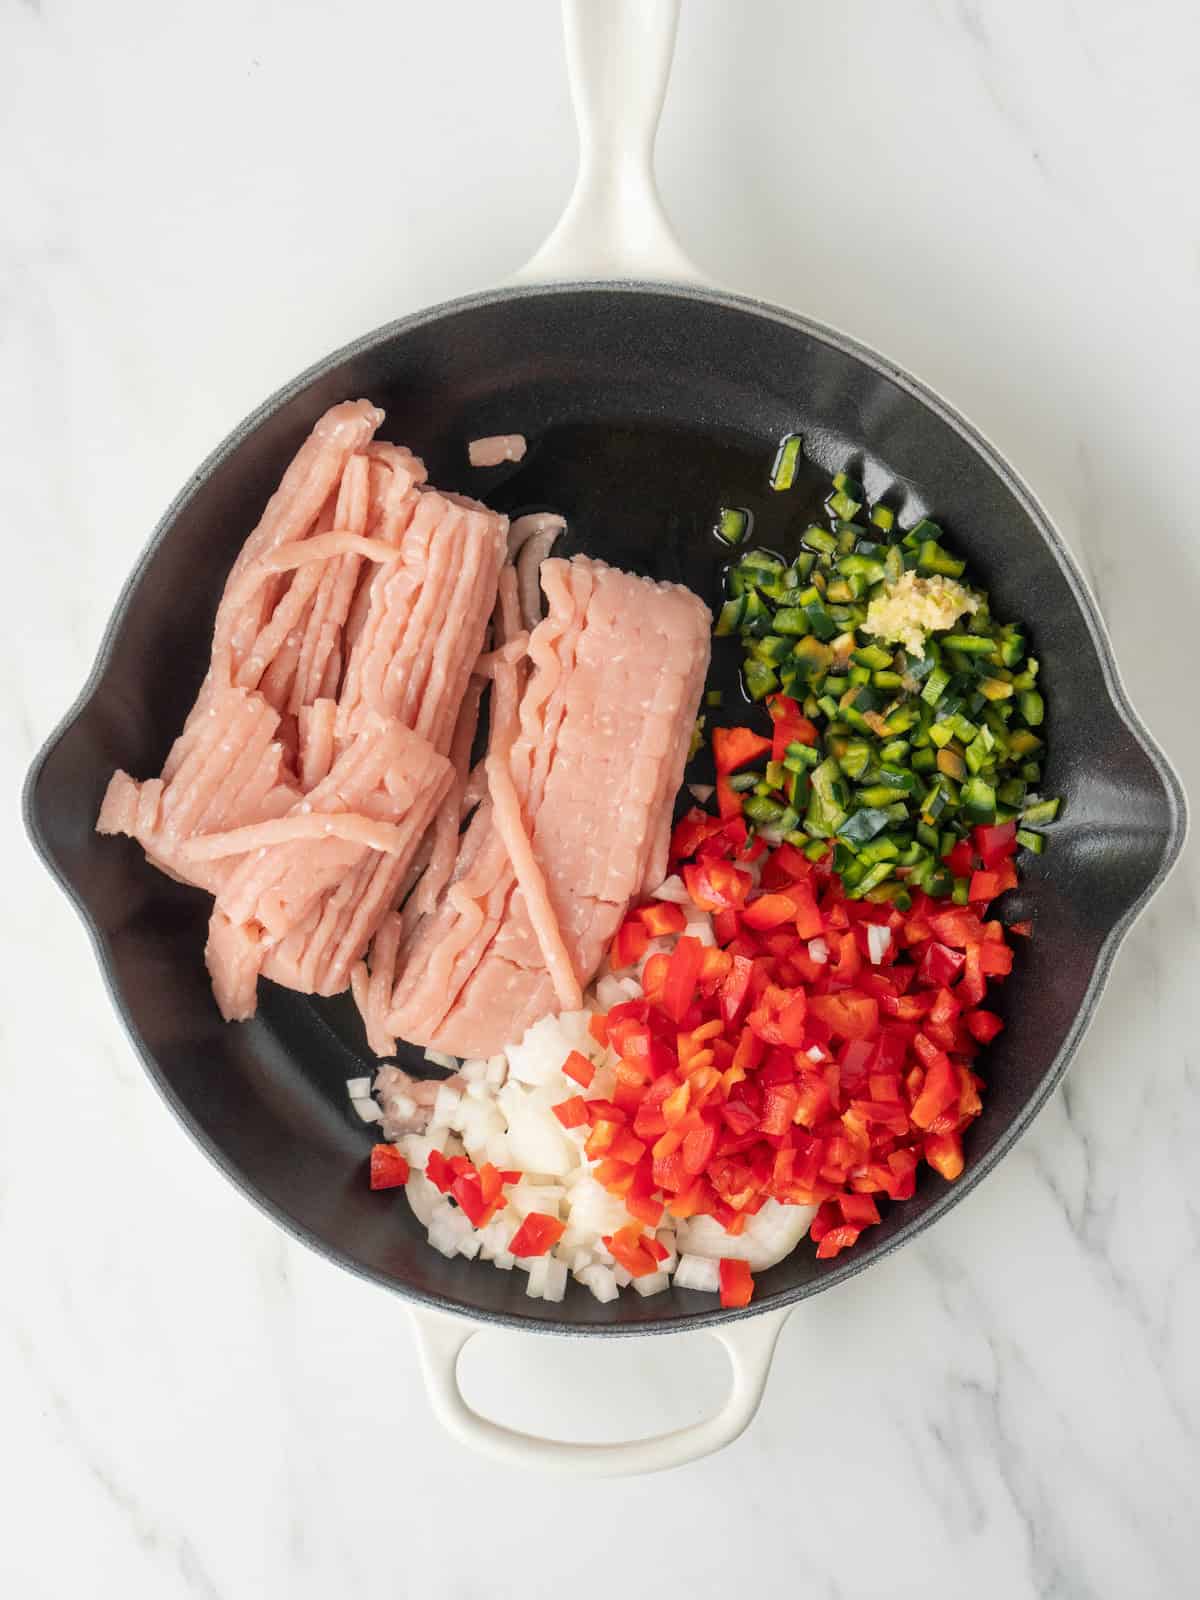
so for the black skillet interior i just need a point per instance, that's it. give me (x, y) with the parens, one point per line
(646, 409)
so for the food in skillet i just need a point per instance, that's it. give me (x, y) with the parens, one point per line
(790, 993)
(789, 1024)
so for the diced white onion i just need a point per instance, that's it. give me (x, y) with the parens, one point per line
(701, 792)
(673, 889)
(879, 941)
(555, 1285)
(609, 992)
(368, 1110)
(769, 1235)
(358, 1088)
(538, 1271)
(601, 1281)
(422, 1196)
(445, 1104)
(698, 1272)
(439, 1058)
(818, 951)
(652, 1283)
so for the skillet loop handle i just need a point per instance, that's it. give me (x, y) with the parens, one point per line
(749, 1344)
(618, 61)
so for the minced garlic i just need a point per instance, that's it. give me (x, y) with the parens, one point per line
(916, 606)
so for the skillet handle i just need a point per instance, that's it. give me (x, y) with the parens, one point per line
(618, 61)
(749, 1344)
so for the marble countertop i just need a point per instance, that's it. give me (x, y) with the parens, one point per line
(199, 201)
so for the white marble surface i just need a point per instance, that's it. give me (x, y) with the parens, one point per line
(197, 201)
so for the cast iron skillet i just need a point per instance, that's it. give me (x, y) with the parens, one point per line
(646, 406)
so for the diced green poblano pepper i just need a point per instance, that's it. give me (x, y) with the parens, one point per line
(787, 459)
(732, 524)
(968, 643)
(825, 809)
(934, 742)
(1042, 811)
(935, 685)
(978, 799)
(932, 558)
(761, 679)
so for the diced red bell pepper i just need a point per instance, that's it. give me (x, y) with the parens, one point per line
(735, 989)
(985, 885)
(940, 1091)
(537, 1234)
(683, 975)
(661, 918)
(740, 1117)
(848, 962)
(787, 865)
(628, 1247)
(630, 944)
(478, 1194)
(902, 1164)
(972, 986)
(737, 1282)
(809, 922)
(995, 843)
(995, 960)
(780, 1103)
(838, 1238)
(389, 1169)
(692, 831)
(654, 975)
(698, 1145)
(939, 964)
(717, 885)
(729, 800)
(769, 911)
(849, 1015)
(572, 1113)
(944, 1153)
(715, 965)
(736, 747)
(615, 1176)
(961, 859)
(983, 1025)
(598, 1027)
(944, 1010)
(645, 1208)
(858, 1210)
(957, 927)
(1023, 929)
(439, 1171)
(578, 1067)
(792, 1019)
(790, 725)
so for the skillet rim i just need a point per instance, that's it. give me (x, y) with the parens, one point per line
(981, 446)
